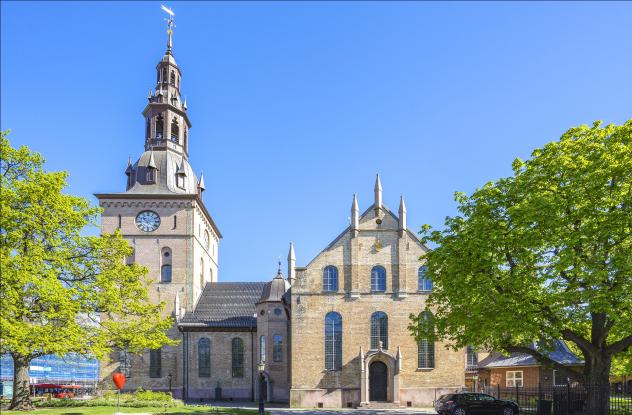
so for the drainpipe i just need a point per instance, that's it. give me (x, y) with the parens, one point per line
(184, 364)
(252, 366)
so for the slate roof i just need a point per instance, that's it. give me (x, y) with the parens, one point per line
(226, 305)
(562, 354)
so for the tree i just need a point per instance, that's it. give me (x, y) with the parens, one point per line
(62, 291)
(544, 254)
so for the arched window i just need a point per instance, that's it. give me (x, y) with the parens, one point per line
(207, 240)
(186, 136)
(333, 341)
(330, 278)
(378, 278)
(277, 348)
(210, 274)
(164, 74)
(172, 78)
(424, 283)
(130, 259)
(165, 273)
(175, 130)
(237, 347)
(202, 282)
(204, 358)
(379, 330)
(155, 363)
(472, 358)
(165, 269)
(160, 127)
(147, 128)
(262, 349)
(426, 346)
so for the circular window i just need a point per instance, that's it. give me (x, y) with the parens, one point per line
(277, 311)
(166, 254)
(147, 221)
(378, 221)
(262, 312)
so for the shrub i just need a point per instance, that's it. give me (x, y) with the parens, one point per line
(144, 395)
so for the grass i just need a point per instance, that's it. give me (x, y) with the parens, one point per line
(109, 410)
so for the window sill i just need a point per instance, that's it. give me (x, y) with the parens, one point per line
(424, 369)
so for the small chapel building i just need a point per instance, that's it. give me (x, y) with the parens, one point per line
(332, 333)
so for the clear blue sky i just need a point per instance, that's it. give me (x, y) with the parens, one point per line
(296, 105)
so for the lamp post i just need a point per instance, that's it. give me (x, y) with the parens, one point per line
(169, 377)
(261, 367)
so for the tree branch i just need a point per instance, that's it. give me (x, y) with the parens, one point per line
(579, 340)
(620, 346)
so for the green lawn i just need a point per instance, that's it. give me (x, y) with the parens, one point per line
(109, 410)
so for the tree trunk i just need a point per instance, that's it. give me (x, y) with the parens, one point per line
(597, 371)
(21, 392)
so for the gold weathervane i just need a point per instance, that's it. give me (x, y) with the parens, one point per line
(170, 24)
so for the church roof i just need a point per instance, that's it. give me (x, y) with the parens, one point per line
(226, 305)
(275, 289)
(562, 354)
(168, 164)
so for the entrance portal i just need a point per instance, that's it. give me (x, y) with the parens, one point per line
(378, 383)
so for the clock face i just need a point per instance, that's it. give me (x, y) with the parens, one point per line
(147, 221)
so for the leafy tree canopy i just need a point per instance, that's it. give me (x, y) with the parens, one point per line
(542, 255)
(62, 291)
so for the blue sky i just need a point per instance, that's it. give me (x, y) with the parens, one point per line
(296, 105)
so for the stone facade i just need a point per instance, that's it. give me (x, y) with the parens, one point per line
(378, 239)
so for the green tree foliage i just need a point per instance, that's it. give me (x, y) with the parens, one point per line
(544, 254)
(62, 291)
(622, 364)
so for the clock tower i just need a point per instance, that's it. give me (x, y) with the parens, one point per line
(162, 215)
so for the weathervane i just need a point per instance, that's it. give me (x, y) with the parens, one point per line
(170, 24)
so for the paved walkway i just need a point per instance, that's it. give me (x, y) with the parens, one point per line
(287, 411)
(281, 409)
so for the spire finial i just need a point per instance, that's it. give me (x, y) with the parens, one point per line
(170, 25)
(378, 192)
(279, 272)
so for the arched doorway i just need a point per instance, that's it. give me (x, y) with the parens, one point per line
(378, 381)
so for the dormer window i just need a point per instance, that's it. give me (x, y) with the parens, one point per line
(150, 175)
(130, 179)
(181, 180)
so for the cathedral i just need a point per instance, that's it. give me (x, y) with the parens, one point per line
(332, 333)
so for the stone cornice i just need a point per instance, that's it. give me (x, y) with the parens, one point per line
(141, 200)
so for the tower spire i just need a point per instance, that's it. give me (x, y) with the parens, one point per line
(291, 264)
(378, 192)
(402, 216)
(355, 215)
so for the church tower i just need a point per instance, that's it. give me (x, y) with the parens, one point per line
(162, 215)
